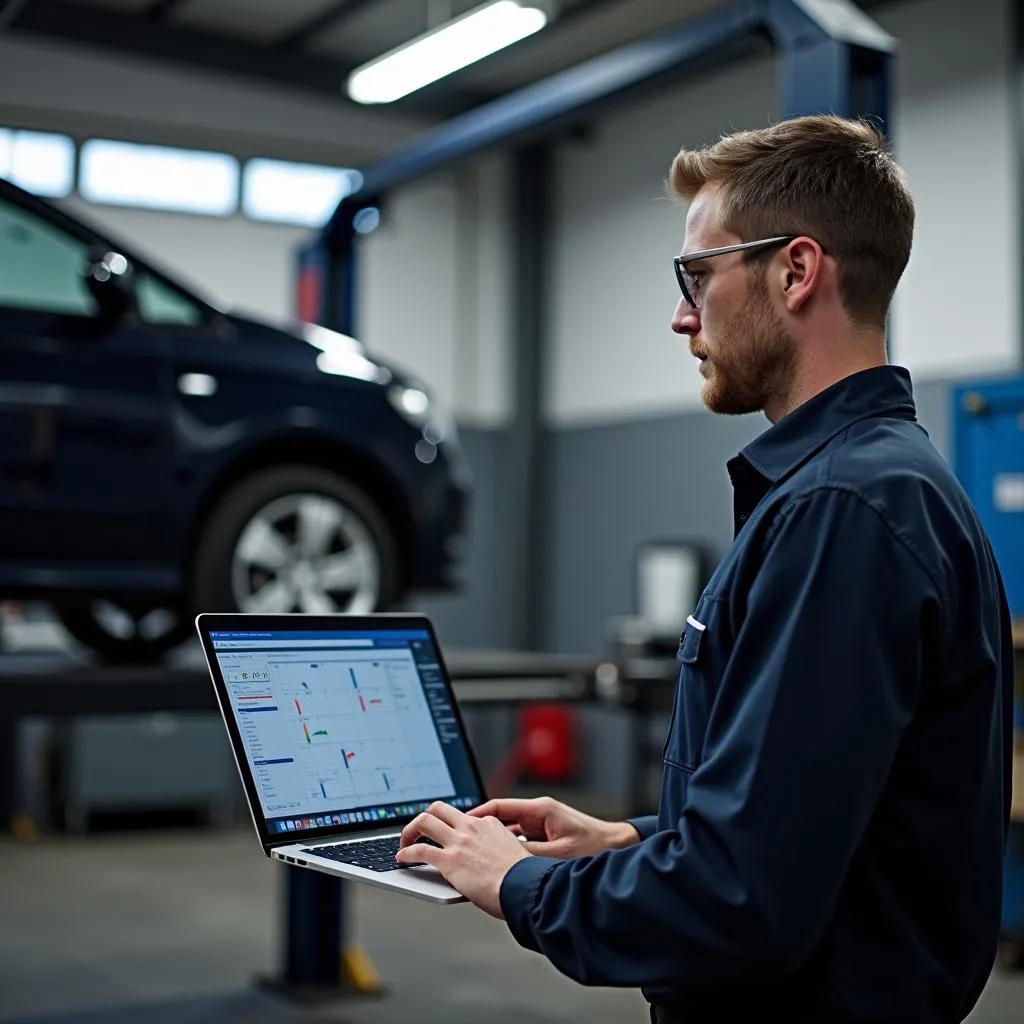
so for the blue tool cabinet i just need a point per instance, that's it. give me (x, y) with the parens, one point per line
(988, 456)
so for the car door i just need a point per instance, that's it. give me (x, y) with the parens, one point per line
(84, 437)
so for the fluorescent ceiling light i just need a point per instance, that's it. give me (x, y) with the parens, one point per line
(460, 42)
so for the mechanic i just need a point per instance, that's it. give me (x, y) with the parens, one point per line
(835, 790)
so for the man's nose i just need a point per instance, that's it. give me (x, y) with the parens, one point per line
(685, 320)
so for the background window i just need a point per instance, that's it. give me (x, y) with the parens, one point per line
(39, 162)
(42, 265)
(157, 177)
(158, 303)
(304, 194)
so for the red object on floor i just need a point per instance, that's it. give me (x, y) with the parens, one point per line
(548, 742)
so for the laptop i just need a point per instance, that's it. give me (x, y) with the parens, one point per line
(344, 728)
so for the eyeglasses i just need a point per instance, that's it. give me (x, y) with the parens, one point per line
(690, 281)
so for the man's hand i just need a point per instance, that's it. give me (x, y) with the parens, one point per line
(553, 829)
(475, 852)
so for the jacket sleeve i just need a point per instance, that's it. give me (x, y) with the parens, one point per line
(645, 826)
(821, 681)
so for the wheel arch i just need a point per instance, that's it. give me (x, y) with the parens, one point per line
(319, 452)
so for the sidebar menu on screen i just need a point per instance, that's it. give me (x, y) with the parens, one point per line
(437, 694)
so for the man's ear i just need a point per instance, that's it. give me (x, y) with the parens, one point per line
(803, 264)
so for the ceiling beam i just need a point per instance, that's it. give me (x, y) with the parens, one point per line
(305, 32)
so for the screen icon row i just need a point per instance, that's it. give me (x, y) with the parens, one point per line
(372, 814)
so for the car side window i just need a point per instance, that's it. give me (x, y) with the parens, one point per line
(158, 303)
(42, 265)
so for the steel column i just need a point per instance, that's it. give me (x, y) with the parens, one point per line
(525, 485)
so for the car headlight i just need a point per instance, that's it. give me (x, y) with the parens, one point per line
(412, 402)
(417, 407)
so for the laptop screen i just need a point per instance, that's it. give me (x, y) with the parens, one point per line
(341, 727)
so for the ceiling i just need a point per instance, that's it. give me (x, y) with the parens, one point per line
(314, 44)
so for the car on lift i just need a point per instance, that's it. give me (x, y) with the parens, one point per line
(162, 455)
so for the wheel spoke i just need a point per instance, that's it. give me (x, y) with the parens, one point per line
(315, 602)
(156, 623)
(319, 519)
(349, 570)
(275, 596)
(263, 545)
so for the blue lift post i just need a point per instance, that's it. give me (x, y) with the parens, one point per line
(831, 59)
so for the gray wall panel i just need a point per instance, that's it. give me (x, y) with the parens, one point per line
(932, 398)
(620, 485)
(479, 614)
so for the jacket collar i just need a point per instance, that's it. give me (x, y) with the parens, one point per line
(783, 447)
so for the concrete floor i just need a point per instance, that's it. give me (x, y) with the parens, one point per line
(169, 928)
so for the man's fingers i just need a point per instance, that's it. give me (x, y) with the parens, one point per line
(542, 848)
(419, 853)
(427, 825)
(448, 814)
(505, 810)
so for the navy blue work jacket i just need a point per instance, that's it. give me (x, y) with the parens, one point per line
(835, 790)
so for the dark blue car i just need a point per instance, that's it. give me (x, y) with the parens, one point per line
(160, 456)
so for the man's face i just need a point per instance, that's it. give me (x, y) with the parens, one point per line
(746, 354)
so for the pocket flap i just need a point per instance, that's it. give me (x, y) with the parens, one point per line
(690, 641)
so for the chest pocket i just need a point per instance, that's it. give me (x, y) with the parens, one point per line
(695, 686)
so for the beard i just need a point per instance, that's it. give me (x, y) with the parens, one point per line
(753, 365)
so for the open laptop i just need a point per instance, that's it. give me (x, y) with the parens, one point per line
(344, 728)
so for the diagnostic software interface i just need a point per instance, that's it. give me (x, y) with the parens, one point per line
(341, 728)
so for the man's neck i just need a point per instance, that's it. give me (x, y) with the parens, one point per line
(814, 375)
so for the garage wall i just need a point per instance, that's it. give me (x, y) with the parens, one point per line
(635, 457)
(435, 288)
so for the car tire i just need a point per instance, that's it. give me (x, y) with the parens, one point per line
(124, 632)
(292, 539)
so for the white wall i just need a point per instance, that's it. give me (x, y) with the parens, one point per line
(435, 280)
(612, 353)
(958, 307)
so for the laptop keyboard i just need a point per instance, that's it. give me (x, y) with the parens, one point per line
(372, 854)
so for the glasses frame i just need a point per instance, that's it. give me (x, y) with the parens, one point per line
(679, 262)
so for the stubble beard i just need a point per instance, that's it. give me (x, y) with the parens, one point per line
(755, 362)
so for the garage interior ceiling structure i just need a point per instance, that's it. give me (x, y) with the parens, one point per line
(314, 44)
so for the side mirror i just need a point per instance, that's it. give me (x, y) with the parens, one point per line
(108, 276)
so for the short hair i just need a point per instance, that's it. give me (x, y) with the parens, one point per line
(828, 177)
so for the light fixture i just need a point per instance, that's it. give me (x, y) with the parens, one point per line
(445, 49)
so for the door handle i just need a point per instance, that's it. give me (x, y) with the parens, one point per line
(197, 385)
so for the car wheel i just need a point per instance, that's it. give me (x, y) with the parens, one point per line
(124, 631)
(296, 539)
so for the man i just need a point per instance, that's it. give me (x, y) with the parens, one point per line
(836, 783)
